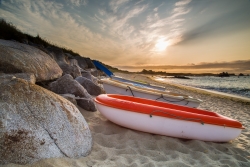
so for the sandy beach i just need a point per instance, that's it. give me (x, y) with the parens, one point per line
(114, 145)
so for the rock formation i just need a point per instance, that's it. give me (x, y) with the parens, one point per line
(36, 123)
(90, 86)
(21, 58)
(87, 74)
(63, 61)
(67, 85)
(81, 62)
(30, 77)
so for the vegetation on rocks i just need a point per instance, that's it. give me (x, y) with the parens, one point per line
(9, 32)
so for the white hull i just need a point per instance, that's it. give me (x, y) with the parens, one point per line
(168, 126)
(142, 85)
(123, 89)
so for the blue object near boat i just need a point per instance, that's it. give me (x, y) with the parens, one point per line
(102, 68)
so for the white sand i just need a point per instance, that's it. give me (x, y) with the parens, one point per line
(118, 146)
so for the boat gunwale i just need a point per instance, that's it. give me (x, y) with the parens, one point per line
(132, 81)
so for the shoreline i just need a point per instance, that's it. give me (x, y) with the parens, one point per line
(227, 95)
(114, 145)
(185, 87)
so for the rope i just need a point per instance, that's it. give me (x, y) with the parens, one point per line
(177, 117)
(170, 100)
(130, 91)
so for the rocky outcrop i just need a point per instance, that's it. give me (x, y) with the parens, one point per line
(181, 77)
(73, 99)
(94, 72)
(224, 74)
(89, 63)
(86, 103)
(58, 55)
(87, 74)
(73, 70)
(91, 88)
(69, 66)
(81, 62)
(21, 58)
(67, 85)
(73, 62)
(36, 123)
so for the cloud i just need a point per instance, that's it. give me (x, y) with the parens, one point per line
(116, 4)
(117, 23)
(79, 2)
(182, 3)
(223, 23)
(171, 26)
(180, 11)
(121, 28)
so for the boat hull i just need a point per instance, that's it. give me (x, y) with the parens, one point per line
(118, 88)
(166, 126)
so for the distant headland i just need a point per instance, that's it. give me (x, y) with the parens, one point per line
(175, 75)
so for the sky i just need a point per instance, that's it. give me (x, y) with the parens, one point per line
(163, 35)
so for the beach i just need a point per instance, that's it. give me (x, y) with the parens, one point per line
(114, 145)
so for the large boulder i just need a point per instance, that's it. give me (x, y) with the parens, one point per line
(30, 77)
(21, 58)
(86, 103)
(36, 123)
(90, 86)
(81, 62)
(82, 102)
(67, 85)
(73, 70)
(89, 63)
(68, 66)
(93, 71)
(58, 55)
(73, 62)
(88, 75)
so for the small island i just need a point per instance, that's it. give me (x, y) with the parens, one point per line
(224, 74)
(241, 75)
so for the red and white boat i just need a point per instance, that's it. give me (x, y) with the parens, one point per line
(167, 119)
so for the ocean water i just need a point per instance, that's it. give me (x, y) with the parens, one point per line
(234, 85)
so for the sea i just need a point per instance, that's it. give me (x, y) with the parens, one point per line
(233, 85)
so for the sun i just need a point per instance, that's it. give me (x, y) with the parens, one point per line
(161, 45)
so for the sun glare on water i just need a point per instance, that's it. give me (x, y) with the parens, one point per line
(161, 45)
